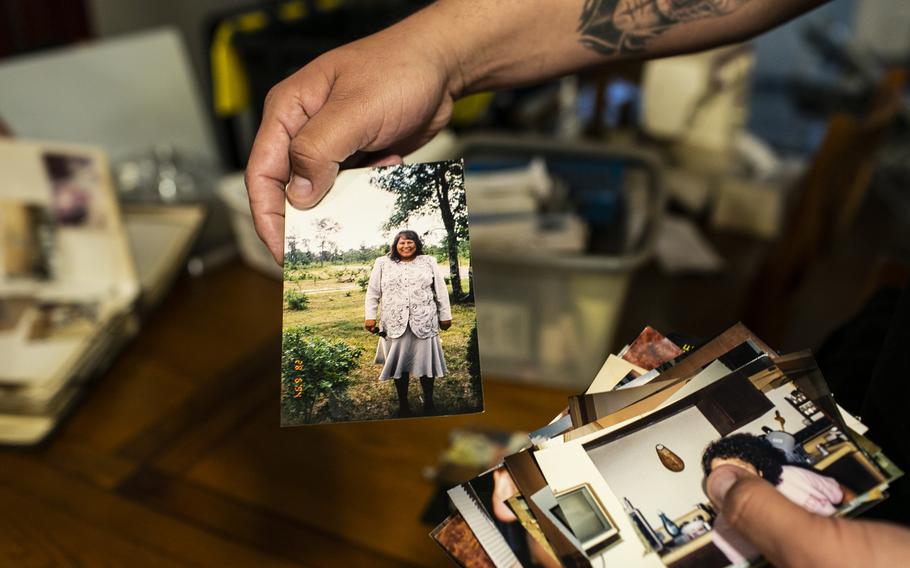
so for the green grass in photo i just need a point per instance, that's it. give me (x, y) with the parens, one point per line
(335, 312)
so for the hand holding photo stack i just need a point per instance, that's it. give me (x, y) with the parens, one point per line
(617, 478)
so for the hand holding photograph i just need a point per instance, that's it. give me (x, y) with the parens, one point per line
(378, 290)
(631, 490)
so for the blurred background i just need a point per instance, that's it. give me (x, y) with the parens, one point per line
(765, 183)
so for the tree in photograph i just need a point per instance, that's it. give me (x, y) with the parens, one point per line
(298, 252)
(324, 229)
(426, 188)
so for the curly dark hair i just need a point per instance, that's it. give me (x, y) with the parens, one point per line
(411, 236)
(767, 459)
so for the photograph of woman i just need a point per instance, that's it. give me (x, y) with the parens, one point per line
(387, 250)
(817, 493)
(408, 290)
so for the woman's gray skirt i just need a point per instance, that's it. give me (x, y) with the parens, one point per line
(412, 355)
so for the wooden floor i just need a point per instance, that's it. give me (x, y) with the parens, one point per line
(175, 457)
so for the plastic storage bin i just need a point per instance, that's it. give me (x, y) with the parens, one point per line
(232, 191)
(550, 318)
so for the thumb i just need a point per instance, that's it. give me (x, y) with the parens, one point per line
(790, 536)
(333, 134)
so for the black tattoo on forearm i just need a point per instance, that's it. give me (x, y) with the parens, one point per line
(626, 26)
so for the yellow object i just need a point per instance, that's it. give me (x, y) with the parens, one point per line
(469, 109)
(230, 84)
(291, 11)
(251, 22)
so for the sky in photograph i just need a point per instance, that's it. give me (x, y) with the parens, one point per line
(361, 210)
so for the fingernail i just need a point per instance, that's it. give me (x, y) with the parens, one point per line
(719, 483)
(299, 187)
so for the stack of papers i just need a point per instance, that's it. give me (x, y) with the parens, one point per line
(617, 478)
(508, 213)
(69, 288)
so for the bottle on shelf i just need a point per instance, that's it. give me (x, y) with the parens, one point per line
(644, 527)
(669, 526)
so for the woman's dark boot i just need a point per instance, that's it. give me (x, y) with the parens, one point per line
(428, 406)
(401, 385)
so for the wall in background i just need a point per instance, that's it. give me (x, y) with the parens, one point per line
(31, 25)
(884, 25)
(782, 57)
(633, 469)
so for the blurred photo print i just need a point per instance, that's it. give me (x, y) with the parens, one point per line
(27, 234)
(58, 320)
(378, 318)
(74, 180)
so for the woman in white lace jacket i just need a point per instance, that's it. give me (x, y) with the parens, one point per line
(415, 306)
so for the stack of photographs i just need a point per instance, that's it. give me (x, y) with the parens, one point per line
(617, 478)
(68, 286)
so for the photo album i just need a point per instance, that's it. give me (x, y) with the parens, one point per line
(617, 478)
(378, 316)
(68, 285)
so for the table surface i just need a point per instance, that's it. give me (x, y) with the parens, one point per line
(174, 457)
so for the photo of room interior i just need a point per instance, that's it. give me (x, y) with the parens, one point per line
(655, 466)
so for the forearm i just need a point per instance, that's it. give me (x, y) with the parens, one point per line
(489, 44)
(391, 92)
